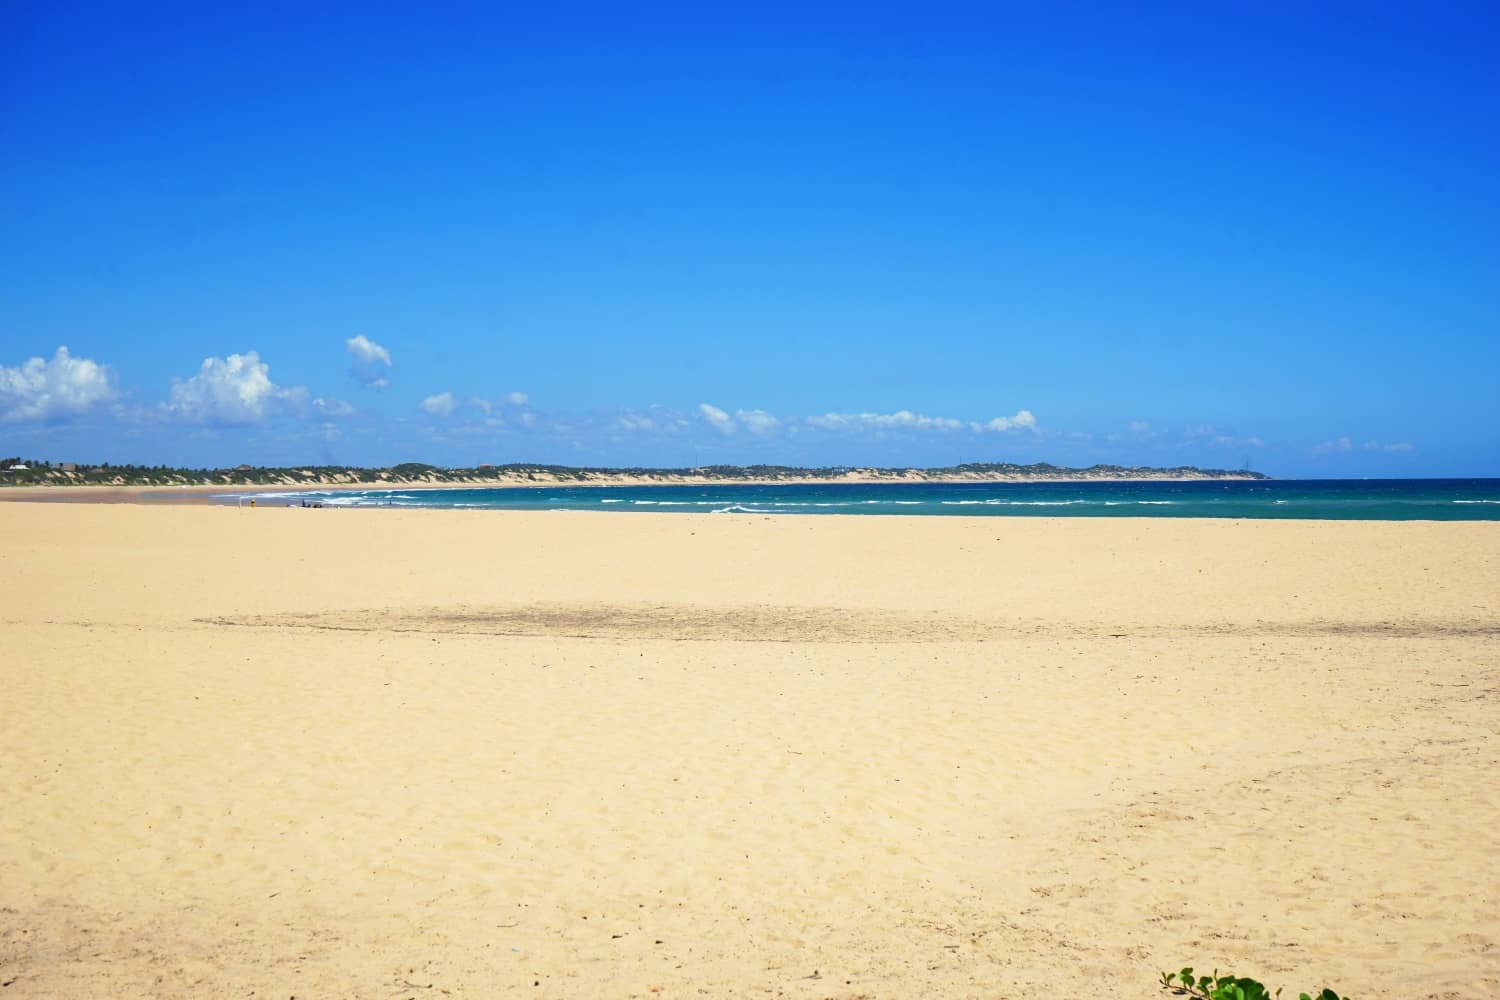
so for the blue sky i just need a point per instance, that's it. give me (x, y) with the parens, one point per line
(826, 234)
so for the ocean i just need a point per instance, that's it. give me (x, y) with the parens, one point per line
(1334, 499)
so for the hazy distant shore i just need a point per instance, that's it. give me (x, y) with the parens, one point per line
(201, 493)
(66, 486)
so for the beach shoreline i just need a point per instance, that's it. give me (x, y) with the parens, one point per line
(103, 493)
(1396, 500)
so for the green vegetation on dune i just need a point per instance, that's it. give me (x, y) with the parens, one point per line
(29, 472)
(1228, 987)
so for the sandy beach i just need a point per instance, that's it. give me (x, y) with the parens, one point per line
(295, 753)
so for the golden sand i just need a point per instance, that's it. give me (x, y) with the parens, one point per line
(393, 754)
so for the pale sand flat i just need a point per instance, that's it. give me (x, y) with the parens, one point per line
(429, 753)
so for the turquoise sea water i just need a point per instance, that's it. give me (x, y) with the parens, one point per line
(1372, 500)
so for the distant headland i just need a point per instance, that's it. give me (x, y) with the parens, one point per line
(18, 472)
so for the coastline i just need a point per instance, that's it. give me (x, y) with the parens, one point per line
(194, 493)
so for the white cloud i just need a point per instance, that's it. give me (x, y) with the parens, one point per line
(1222, 439)
(366, 351)
(1394, 448)
(717, 417)
(635, 422)
(900, 420)
(1337, 446)
(63, 387)
(441, 405)
(369, 361)
(758, 421)
(765, 422)
(232, 390)
(488, 406)
(332, 407)
(1023, 420)
(754, 421)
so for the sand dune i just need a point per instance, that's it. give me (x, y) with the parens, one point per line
(435, 753)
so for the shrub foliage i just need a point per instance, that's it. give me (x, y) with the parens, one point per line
(1229, 987)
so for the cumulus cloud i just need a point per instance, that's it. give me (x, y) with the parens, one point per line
(631, 421)
(53, 389)
(909, 420)
(901, 419)
(754, 421)
(370, 363)
(765, 422)
(332, 407)
(440, 405)
(488, 406)
(233, 390)
(757, 421)
(1022, 421)
(717, 418)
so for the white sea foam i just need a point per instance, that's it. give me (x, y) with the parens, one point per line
(260, 496)
(611, 501)
(1476, 501)
(1014, 503)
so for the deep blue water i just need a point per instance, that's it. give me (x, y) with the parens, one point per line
(1373, 500)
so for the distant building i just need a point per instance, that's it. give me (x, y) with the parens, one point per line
(67, 467)
(19, 467)
(244, 468)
